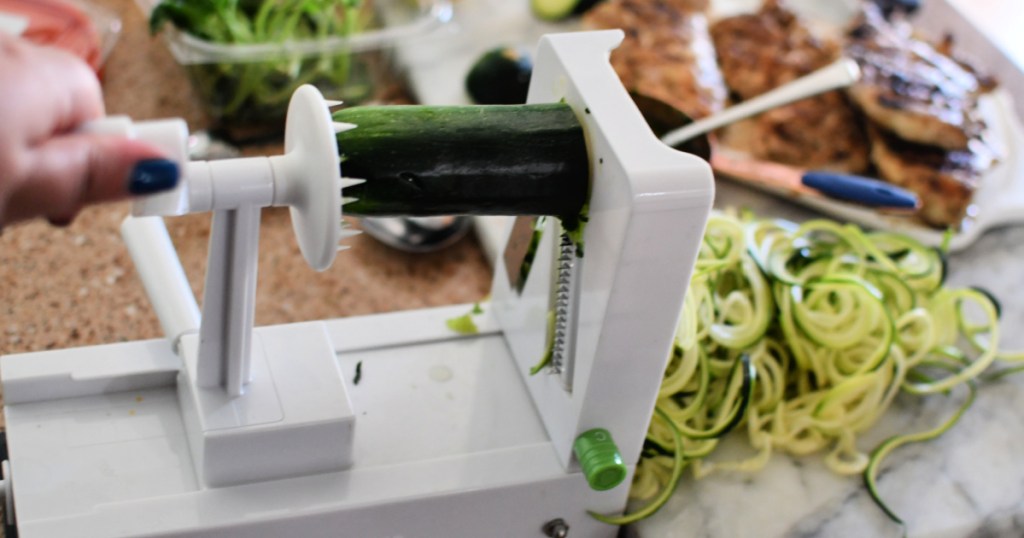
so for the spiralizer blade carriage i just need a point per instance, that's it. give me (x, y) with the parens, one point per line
(222, 429)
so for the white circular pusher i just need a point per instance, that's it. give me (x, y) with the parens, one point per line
(306, 178)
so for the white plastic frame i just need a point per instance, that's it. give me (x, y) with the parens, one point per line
(445, 436)
(648, 208)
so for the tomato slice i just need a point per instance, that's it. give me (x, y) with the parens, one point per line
(59, 24)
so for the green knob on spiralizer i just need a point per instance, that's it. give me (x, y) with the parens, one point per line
(599, 458)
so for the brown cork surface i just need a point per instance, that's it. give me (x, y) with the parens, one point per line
(76, 286)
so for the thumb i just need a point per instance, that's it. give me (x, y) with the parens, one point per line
(71, 171)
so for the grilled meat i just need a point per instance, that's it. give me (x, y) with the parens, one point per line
(944, 46)
(926, 132)
(945, 180)
(763, 50)
(667, 53)
(910, 88)
(822, 132)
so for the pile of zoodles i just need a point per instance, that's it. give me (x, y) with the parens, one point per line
(800, 336)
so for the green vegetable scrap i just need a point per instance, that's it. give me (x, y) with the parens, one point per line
(549, 346)
(464, 324)
(833, 323)
(531, 250)
(574, 228)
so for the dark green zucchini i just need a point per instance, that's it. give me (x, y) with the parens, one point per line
(500, 77)
(556, 10)
(465, 160)
(663, 118)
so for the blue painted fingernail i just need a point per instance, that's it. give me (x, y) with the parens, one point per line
(153, 175)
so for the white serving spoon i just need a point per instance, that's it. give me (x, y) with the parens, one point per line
(839, 74)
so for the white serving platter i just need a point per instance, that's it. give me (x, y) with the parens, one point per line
(437, 67)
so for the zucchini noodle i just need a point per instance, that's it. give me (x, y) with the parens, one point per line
(801, 337)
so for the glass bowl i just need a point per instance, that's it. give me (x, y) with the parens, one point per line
(245, 88)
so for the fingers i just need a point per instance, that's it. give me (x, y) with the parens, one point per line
(85, 95)
(46, 169)
(68, 172)
(45, 91)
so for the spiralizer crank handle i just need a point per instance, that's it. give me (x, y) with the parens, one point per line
(171, 137)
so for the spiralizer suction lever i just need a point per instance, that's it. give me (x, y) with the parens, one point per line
(219, 367)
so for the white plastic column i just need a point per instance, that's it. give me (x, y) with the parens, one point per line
(158, 266)
(229, 300)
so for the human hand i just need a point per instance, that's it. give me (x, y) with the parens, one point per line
(47, 169)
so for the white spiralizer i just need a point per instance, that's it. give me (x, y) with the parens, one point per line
(381, 426)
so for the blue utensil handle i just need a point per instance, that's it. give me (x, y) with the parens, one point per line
(861, 190)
